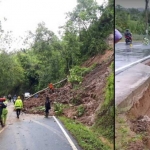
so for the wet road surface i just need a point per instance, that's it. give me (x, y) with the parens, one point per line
(124, 54)
(34, 132)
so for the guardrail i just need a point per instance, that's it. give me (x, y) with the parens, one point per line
(119, 70)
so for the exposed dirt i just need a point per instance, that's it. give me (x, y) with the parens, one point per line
(136, 145)
(90, 94)
(139, 117)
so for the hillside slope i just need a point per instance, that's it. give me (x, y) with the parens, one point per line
(90, 94)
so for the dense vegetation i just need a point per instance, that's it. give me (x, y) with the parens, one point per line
(132, 19)
(49, 58)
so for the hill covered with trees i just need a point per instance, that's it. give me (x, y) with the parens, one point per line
(131, 18)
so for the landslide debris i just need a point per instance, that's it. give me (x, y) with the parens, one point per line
(83, 100)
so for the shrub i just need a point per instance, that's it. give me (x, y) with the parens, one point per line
(77, 73)
(80, 110)
(58, 108)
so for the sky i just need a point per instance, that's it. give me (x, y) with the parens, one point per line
(131, 3)
(24, 15)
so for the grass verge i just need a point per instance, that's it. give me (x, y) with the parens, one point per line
(87, 139)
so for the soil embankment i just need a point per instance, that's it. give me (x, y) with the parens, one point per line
(133, 116)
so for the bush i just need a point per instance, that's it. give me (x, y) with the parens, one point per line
(58, 108)
(77, 73)
(80, 110)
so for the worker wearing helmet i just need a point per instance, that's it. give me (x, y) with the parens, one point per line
(51, 88)
(4, 112)
(18, 106)
(127, 33)
(2, 106)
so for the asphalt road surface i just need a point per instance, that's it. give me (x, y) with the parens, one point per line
(34, 132)
(124, 54)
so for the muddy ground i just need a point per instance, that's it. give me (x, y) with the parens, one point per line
(90, 94)
(137, 119)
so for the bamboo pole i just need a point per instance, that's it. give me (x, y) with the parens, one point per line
(46, 88)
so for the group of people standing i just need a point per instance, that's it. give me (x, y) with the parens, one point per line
(10, 98)
(4, 111)
(18, 107)
(18, 104)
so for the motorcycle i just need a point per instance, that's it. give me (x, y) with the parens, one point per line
(128, 40)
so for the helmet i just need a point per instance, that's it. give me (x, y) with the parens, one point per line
(18, 96)
(127, 29)
(2, 99)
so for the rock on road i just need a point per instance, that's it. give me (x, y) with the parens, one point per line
(34, 132)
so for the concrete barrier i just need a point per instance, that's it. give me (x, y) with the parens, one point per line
(130, 86)
(119, 70)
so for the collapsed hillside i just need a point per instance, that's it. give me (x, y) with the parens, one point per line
(83, 100)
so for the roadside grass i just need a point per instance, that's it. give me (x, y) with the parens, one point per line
(86, 138)
(104, 122)
(123, 134)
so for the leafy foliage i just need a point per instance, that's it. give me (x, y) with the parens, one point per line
(130, 18)
(49, 58)
(85, 137)
(77, 73)
(80, 110)
(58, 108)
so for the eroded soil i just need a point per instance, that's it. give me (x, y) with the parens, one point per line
(138, 121)
(90, 94)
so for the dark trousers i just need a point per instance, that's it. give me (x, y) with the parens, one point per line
(18, 112)
(1, 122)
(9, 99)
(46, 112)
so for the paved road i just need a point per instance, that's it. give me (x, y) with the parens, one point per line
(34, 132)
(124, 54)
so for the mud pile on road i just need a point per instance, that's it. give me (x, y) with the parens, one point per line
(85, 98)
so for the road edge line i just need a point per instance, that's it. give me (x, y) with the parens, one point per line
(65, 133)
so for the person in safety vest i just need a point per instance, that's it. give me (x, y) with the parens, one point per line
(2, 106)
(18, 106)
(51, 87)
(4, 112)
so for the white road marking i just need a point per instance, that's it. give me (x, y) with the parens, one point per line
(50, 128)
(67, 136)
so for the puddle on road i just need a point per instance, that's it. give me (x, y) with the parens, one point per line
(127, 56)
